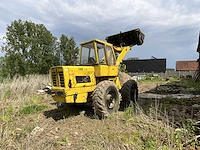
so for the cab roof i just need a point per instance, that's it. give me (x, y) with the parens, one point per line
(96, 40)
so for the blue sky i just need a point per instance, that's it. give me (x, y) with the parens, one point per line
(171, 27)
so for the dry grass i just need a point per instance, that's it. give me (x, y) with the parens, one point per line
(15, 95)
(26, 125)
(20, 92)
(20, 88)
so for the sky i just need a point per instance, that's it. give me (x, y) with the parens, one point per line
(171, 27)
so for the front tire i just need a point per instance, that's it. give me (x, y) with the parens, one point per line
(106, 98)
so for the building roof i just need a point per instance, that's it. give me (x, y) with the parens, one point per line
(186, 65)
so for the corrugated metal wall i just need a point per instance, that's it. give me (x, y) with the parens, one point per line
(186, 65)
(145, 65)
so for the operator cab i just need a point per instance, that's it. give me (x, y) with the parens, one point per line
(96, 52)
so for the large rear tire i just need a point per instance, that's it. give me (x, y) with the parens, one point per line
(106, 99)
(129, 93)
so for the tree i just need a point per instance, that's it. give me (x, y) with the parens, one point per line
(2, 71)
(68, 50)
(29, 48)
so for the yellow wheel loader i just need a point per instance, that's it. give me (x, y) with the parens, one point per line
(96, 78)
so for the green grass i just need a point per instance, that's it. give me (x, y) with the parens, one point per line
(63, 141)
(153, 79)
(35, 99)
(196, 85)
(32, 109)
(6, 114)
(128, 113)
(149, 144)
(6, 93)
(24, 131)
(174, 79)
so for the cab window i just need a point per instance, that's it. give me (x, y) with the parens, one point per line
(110, 56)
(88, 54)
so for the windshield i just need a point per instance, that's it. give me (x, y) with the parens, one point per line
(87, 54)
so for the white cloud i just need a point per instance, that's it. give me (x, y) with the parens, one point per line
(168, 25)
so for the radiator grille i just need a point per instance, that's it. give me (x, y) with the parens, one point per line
(57, 78)
(61, 77)
(54, 78)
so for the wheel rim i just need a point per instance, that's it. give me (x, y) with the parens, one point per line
(111, 99)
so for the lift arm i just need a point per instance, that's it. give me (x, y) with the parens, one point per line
(121, 51)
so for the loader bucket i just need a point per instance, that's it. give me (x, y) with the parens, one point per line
(129, 38)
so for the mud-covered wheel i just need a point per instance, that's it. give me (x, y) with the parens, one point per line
(106, 98)
(129, 93)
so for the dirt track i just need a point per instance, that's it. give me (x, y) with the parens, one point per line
(144, 87)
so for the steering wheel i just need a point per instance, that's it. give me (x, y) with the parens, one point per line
(91, 60)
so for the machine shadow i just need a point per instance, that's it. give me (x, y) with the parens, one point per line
(69, 110)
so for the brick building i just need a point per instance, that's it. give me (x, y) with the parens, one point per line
(186, 65)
